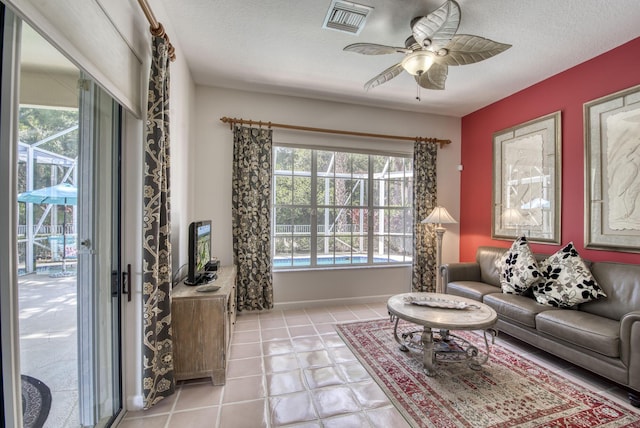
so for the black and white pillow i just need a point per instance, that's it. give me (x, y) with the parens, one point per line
(518, 268)
(566, 280)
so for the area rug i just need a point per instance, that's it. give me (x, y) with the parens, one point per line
(508, 391)
(36, 402)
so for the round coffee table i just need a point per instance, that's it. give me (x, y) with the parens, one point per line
(440, 313)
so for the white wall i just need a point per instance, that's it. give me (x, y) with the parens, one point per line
(212, 155)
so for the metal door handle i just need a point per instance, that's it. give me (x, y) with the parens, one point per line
(126, 285)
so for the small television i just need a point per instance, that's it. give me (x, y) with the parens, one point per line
(199, 251)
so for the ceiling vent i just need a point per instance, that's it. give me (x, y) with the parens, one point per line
(346, 17)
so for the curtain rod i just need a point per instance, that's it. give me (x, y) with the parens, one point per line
(233, 121)
(156, 28)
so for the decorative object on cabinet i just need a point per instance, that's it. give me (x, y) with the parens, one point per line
(203, 325)
(527, 181)
(612, 171)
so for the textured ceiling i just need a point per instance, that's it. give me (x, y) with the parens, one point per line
(279, 46)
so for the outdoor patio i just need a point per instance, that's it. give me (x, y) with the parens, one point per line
(48, 341)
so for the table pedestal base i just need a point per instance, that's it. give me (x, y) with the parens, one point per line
(441, 346)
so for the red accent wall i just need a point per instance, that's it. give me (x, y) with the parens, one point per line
(610, 72)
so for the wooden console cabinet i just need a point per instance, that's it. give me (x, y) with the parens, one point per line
(202, 328)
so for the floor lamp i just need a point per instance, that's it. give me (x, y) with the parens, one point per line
(439, 216)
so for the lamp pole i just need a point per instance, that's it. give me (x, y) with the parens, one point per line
(439, 235)
(438, 216)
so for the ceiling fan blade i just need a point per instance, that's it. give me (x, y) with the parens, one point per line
(439, 26)
(434, 78)
(374, 49)
(384, 77)
(466, 49)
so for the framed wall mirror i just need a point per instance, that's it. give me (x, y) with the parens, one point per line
(527, 181)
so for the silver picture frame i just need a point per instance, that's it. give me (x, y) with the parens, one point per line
(527, 181)
(612, 171)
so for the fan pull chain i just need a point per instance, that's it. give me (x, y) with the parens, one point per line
(418, 87)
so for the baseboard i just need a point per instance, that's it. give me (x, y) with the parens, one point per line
(135, 403)
(302, 304)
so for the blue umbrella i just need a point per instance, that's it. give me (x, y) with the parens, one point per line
(60, 194)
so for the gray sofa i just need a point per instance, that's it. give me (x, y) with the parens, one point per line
(602, 336)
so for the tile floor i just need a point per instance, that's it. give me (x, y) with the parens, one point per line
(291, 369)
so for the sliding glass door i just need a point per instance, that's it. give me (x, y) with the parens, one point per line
(98, 256)
(60, 282)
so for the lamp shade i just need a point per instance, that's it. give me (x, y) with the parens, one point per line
(417, 62)
(439, 215)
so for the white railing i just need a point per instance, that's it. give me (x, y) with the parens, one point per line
(305, 229)
(47, 229)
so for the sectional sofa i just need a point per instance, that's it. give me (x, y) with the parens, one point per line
(602, 335)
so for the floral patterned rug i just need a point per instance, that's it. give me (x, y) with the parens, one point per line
(508, 391)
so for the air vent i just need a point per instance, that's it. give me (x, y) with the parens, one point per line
(346, 17)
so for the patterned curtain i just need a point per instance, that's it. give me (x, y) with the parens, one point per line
(158, 381)
(424, 200)
(251, 217)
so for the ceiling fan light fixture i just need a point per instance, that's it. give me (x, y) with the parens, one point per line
(417, 63)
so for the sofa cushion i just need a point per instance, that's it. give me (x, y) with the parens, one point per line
(471, 289)
(621, 284)
(486, 258)
(582, 329)
(515, 308)
(518, 268)
(567, 281)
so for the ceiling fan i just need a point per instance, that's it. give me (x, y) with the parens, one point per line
(432, 48)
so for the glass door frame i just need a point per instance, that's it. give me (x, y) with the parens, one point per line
(11, 414)
(95, 176)
(9, 104)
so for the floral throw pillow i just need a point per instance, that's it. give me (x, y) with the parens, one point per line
(518, 268)
(566, 280)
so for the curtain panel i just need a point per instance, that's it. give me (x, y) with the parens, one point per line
(158, 379)
(251, 217)
(424, 200)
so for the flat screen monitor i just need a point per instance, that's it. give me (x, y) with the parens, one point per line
(199, 250)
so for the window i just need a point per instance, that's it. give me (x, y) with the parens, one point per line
(339, 208)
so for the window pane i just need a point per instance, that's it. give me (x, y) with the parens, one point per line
(408, 224)
(337, 218)
(326, 221)
(282, 221)
(326, 163)
(343, 191)
(282, 159)
(282, 251)
(325, 247)
(302, 249)
(342, 164)
(396, 221)
(325, 191)
(380, 165)
(283, 190)
(302, 160)
(359, 192)
(409, 191)
(301, 190)
(380, 249)
(380, 193)
(360, 165)
(396, 193)
(301, 219)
